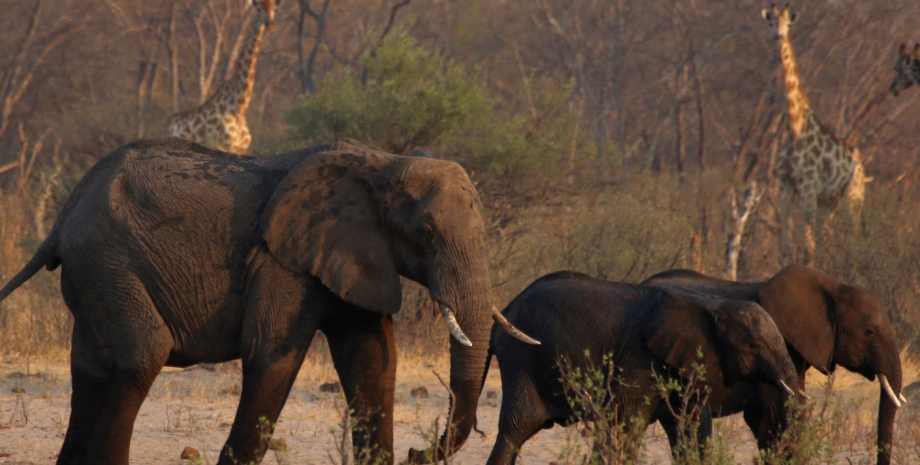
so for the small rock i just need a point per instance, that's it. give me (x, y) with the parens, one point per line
(190, 454)
(278, 444)
(491, 395)
(419, 393)
(331, 387)
(18, 390)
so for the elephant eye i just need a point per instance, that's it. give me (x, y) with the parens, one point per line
(425, 233)
(869, 333)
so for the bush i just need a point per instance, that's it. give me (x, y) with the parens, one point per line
(409, 98)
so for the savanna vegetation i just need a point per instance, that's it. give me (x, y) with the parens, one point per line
(604, 137)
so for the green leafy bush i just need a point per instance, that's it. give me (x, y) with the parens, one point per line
(407, 97)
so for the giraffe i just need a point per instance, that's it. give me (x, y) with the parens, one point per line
(816, 168)
(221, 121)
(907, 69)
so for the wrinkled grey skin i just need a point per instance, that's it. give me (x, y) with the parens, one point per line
(644, 328)
(825, 323)
(174, 254)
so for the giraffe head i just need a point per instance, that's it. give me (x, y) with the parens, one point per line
(779, 20)
(907, 69)
(266, 9)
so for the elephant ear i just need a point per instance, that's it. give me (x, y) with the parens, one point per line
(680, 332)
(324, 220)
(798, 299)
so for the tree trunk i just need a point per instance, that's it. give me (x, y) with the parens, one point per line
(739, 218)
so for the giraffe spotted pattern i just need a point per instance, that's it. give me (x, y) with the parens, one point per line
(221, 121)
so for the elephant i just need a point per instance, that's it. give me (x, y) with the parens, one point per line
(646, 330)
(825, 323)
(173, 254)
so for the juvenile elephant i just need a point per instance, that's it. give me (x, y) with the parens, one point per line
(174, 254)
(644, 329)
(825, 323)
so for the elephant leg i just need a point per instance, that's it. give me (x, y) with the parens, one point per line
(139, 343)
(701, 430)
(363, 351)
(523, 414)
(671, 429)
(91, 377)
(766, 420)
(281, 315)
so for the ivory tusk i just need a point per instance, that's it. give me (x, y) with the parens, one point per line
(883, 380)
(785, 388)
(901, 396)
(805, 396)
(452, 325)
(517, 333)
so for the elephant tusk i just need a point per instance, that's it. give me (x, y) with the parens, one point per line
(901, 396)
(887, 387)
(785, 388)
(517, 333)
(804, 396)
(452, 325)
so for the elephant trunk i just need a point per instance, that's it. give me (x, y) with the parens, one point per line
(889, 392)
(473, 311)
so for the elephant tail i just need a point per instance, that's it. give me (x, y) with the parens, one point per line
(485, 374)
(46, 256)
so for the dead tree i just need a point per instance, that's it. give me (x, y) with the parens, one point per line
(739, 217)
(40, 38)
(308, 62)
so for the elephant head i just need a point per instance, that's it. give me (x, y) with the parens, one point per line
(830, 323)
(906, 69)
(736, 338)
(359, 219)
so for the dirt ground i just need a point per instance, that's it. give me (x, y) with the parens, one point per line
(194, 408)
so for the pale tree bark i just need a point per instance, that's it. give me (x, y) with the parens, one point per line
(740, 216)
(172, 48)
(219, 22)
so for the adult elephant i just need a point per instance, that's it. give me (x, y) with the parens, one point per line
(174, 254)
(825, 323)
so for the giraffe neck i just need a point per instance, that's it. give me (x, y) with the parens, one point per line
(797, 102)
(239, 86)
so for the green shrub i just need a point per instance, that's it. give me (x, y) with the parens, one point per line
(410, 97)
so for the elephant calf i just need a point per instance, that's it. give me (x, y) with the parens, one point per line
(646, 330)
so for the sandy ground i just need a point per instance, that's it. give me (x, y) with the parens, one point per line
(195, 407)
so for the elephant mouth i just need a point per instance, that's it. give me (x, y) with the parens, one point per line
(454, 328)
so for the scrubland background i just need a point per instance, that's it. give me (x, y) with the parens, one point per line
(604, 137)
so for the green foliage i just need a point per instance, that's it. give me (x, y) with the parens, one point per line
(409, 97)
(592, 393)
(536, 132)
